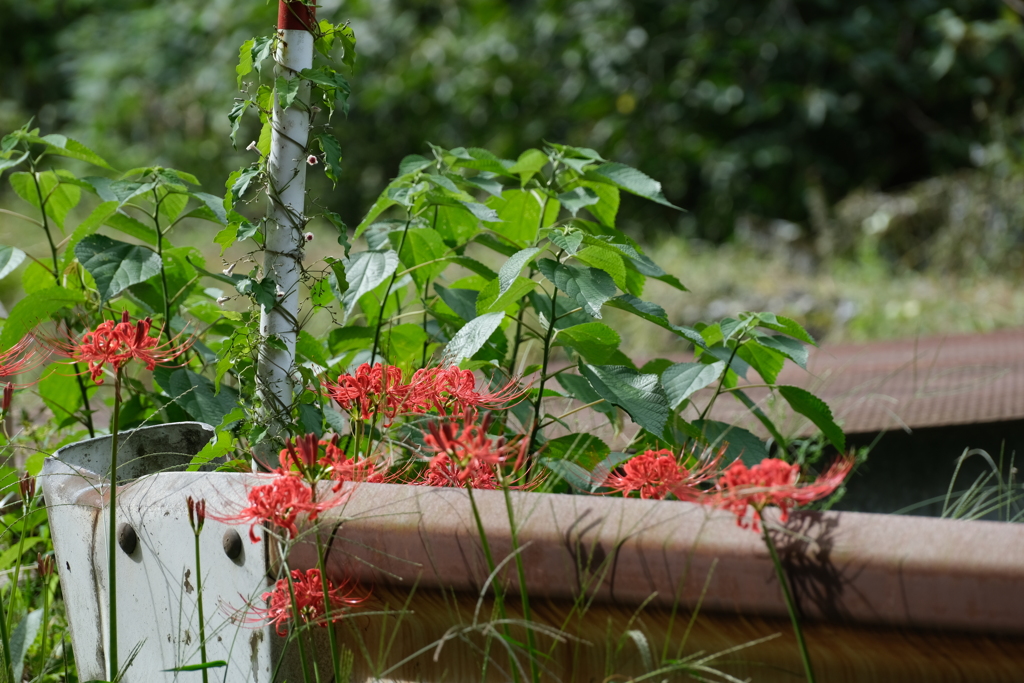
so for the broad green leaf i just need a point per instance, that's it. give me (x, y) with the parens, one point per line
(569, 242)
(332, 156)
(24, 635)
(412, 163)
(607, 207)
(403, 344)
(365, 271)
(471, 338)
(36, 277)
(492, 299)
(607, 260)
(216, 664)
(529, 164)
(765, 361)
(131, 227)
(817, 411)
(482, 211)
(60, 391)
(215, 204)
(287, 90)
(114, 265)
(59, 197)
(12, 162)
(66, 147)
(639, 395)
(383, 203)
(520, 214)
(10, 258)
(684, 379)
(738, 442)
(484, 180)
(574, 475)
(480, 159)
(34, 309)
(455, 224)
(585, 449)
(755, 409)
(589, 287)
(263, 291)
(215, 449)
(244, 67)
(262, 48)
(461, 301)
(630, 180)
(596, 342)
(655, 314)
(510, 269)
(197, 396)
(785, 325)
(311, 348)
(787, 346)
(421, 246)
(171, 206)
(578, 198)
(581, 390)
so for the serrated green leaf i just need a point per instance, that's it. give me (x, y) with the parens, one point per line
(461, 301)
(520, 214)
(580, 389)
(584, 449)
(817, 411)
(59, 197)
(570, 472)
(66, 147)
(607, 260)
(595, 341)
(365, 271)
(491, 299)
(196, 395)
(589, 287)
(569, 242)
(412, 163)
(529, 164)
(263, 291)
(738, 442)
(787, 346)
(244, 67)
(34, 309)
(510, 270)
(471, 338)
(641, 396)
(767, 362)
(780, 323)
(607, 207)
(631, 180)
(684, 379)
(655, 314)
(114, 265)
(287, 90)
(332, 156)
(578, 198)
(10, 258)
(421, 247)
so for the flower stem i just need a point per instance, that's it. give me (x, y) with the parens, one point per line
(202, 617)
(790, 603)
(387, 293)
(112, 532)
(543, 372)
(524, 595)
(5, 641)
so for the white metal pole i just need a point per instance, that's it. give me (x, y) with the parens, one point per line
(283, 249)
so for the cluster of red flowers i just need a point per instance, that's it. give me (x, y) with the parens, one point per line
(14, 361)
(116, 343)
(310, 603)
(656, 474)
(304, 456)
(279, 503)
(463, 454)
(379, 389)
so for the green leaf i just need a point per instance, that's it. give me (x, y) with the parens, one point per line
(590, 287)
(239, 183)
(461, 301)
(216, 664)
(412, 163)
(480, 159)
(471, 338)
(787, 346)
(491, 299)
(607, 207)
(131, 227)
(263, 291)
(33, 309)
(630, 180)
(520, 214)
(578, 198)
(215, 204)
(785, 325)
(60, 197)
(262, 48)
(383, 203)
(244, 67)
(655, 314)
(12, 162)
(455, 224)
(214, 449)
(287, 90)
(60, 392)
(197, 396)
(24, 635)
(332, 156)
(684, 379)
(365, 271)
(510, 270)
(596, 342)
(755, 409)
(765, 361)
(639, 395)
(66, 147)
(738, 442)
(401, 343)
(585, 449)
(581, 390)
(421, 246)
(311, 348)
(569, 242)
(605, 259)
(529, 164)
(114, 265)
(10, 258)
(574, 475)
(817, 411)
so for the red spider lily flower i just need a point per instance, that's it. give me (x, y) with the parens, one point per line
(302, 454)
(19, 358)
(8, 397)
(444, 472)
(117, 343)
(371, 389)
(773, 482)
(468, 450)
(341, 468)
(279, 503)
(450, 389)
(196, 514)
(27, 488)
(310, 603)
(656, 474)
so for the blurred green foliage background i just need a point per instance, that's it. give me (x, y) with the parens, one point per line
(863, 161)
(758, 108)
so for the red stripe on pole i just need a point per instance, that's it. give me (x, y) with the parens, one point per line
(295, 15)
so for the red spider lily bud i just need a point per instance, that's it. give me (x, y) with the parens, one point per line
(124, 316)
(8, 395)
(27, 486)
(44, 564)
(196, 514)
